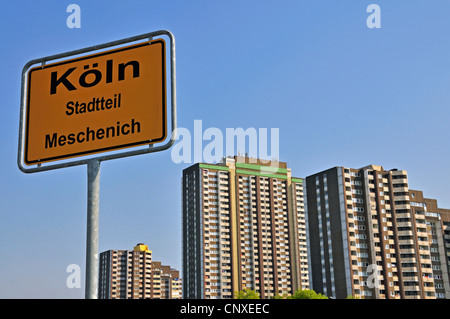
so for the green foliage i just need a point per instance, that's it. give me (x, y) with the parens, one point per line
(283, 296)
(307, 294)
(299, 294)
(352, 297)
(246, 294)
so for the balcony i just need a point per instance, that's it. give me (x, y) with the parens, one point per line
(404, 224)
(409, 260)
(402, 215)
(409, 269)
(411, 288)
(413, 297)
(423, 234)
(428, 279)
(402, 206)
(405, 233)
(407, 250)
(420, 215)
(400, 178)
(401, 197)
(399, 172)
(406, 242)
(411, 278)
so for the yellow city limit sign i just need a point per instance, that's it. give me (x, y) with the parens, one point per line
(96, 103)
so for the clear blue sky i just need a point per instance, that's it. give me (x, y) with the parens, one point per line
(340, 93)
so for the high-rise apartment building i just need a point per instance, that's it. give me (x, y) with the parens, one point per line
(131, 274)
(437, 257)
(373, 237)
(170, 282)
(244, 227)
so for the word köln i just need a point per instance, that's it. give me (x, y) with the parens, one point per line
(92, 76)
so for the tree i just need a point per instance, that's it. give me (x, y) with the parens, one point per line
(246, 294)
(283, 296)
(307, 294)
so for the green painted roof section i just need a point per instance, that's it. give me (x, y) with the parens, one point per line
(256, 173)
(263, 168)
(216, 167)
(254, 169)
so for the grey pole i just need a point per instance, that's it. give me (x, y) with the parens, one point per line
(93, 168)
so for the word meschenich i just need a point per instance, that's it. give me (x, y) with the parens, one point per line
(89, 134)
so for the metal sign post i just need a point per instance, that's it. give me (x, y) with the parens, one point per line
(103, 102)
(93, 198)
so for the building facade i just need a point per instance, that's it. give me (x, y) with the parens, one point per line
(132, 274)
(371, 236)
(244, 227)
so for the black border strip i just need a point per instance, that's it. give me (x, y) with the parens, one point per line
(145, 142)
